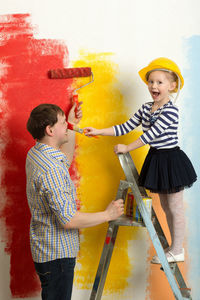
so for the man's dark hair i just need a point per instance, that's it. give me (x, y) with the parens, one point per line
(42, 116)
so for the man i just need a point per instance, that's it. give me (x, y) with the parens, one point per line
(51, 196)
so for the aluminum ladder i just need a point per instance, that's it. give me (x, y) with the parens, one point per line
(172, 272)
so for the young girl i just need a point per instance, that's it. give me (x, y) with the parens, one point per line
(166, 170)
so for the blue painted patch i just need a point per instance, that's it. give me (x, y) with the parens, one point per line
(190, 143)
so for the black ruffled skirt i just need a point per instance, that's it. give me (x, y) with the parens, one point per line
(167, 171)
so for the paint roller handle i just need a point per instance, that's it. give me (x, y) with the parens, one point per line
(75, 113)
(75, 101)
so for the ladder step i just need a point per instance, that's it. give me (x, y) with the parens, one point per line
(172, 266)
(127, 221)
(186, 293)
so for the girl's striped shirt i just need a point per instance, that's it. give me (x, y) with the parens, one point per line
(159, 128)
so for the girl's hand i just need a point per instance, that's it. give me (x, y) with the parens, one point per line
(120, 148)
(90, 131)
(75, 118)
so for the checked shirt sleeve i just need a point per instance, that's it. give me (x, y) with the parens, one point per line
(168, 117)
(129, 125)
(59, 193)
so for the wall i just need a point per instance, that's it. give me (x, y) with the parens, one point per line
(115, 38)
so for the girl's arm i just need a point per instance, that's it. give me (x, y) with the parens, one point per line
(90, 131)
(120, 148)
(118, 130)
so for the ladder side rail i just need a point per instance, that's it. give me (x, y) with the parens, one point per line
(157, 244)
(146, 218)
(104, 263)
(156, 223)
(106, 255)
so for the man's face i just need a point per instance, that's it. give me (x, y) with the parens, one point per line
(60, 130)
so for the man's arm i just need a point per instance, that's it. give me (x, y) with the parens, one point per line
(68, 148)
(61, 200)
(82, 220)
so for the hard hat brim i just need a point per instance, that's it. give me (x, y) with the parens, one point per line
(143, 72)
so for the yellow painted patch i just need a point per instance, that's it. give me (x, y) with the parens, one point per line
(100, 171)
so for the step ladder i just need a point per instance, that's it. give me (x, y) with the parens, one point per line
(172, 272)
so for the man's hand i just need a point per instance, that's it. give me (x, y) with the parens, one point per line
(120, 148)
(83, 220)
(75, 118)
(115, 209)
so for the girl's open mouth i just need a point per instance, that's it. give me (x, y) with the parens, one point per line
(155, 94)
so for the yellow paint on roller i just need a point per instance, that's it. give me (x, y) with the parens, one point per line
(100, 171)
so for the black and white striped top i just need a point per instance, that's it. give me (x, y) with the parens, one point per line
(160, 127)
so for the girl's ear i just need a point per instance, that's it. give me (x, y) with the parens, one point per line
(172, 86)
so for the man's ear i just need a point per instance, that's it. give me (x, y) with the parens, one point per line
(49, 130)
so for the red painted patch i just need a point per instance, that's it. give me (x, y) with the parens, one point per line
(107, 240)
(24, 63)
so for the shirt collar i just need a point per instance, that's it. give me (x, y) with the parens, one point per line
(57, 154)
(166, 104)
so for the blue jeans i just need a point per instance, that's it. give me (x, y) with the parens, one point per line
(56, 278)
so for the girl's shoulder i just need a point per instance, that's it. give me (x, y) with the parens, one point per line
(170, 110)
(147, 104)
(171, 105)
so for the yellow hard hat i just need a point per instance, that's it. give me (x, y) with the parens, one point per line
(162, 63)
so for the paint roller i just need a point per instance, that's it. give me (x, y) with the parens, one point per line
(67, 73)
(72, 73)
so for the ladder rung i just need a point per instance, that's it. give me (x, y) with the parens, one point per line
(127, 221)
(172, 266)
